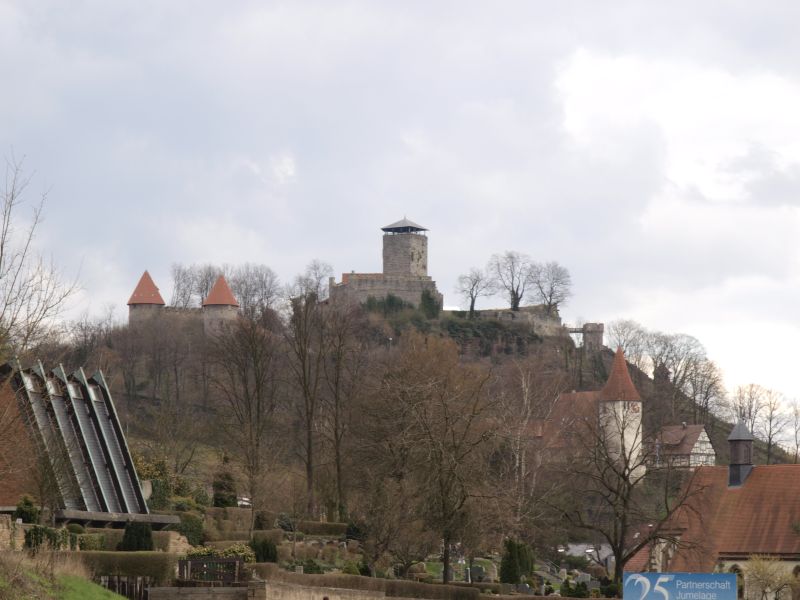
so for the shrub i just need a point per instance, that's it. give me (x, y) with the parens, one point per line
(91, 541)
(224, 490)
(26, 510)
(351, 568)
(200, 496)
(429, 305)
(75, 528)
(311, 567)
(40, 538)
(320, 528)
(159, 566)
(200, 552)
(191, 526)
(273, 535)
(355, 531)
(509, 564)
(159, 499)
(265, 550)
(184, 504)
(265, 519)
(576, 562)
(578, 590)
(285, 522)
(137, 537)
(242, 550)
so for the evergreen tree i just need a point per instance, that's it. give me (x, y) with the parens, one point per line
(509, 565)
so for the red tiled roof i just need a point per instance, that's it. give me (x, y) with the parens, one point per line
(677, 439)
(759, 517)
(146, 292)
(619, 385)
(220, 294)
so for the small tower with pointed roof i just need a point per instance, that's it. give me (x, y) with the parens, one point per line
(405, 249)
(620, 408)
(145, 301)
(220, 306)
(740, 442)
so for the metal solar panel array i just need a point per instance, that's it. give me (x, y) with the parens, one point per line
(76, 427)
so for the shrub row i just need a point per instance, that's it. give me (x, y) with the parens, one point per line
(272, 535)
(159, 566)
(391, 587)
(112, 537)
(320, 528)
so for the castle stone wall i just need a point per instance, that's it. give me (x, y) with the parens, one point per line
(405, 254)
(358, 287)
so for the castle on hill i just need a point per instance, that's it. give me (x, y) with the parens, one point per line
(405, 270)
(220, 306)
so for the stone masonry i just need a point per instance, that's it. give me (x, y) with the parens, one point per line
(405, 270)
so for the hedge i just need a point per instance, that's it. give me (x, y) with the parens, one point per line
(486, 586)
(272, 535)
(391, 587)
(320, 528)
(112, 537)
(159, 566)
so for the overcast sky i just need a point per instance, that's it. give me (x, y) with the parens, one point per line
(653, 148)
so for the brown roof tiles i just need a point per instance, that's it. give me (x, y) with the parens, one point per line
(220, 294)
(721, 522)
(619, 385)
(146, 292)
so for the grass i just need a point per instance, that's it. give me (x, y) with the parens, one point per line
(72, 587)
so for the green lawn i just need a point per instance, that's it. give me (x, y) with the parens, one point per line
(77, 588)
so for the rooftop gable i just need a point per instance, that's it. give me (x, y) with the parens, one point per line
(403, 226)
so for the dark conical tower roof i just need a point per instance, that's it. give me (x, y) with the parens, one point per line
(619, 386)
(403, 226)
(740, 433)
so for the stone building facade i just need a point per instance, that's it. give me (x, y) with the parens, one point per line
(405, 270)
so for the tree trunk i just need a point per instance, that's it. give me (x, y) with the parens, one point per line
(446, 560)
(472, 307)
(309, 471)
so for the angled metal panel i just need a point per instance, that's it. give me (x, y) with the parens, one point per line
(86, 419)
(126, 471)
(55, 385)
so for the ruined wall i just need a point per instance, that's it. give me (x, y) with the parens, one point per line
(405, 254)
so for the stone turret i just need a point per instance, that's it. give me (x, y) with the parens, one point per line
(620, 407)
(220, 306)
(405, 249)
(145, 301)
(741, 448)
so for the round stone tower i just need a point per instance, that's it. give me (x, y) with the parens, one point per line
(145, 301)
(219, 307)
(405, 249)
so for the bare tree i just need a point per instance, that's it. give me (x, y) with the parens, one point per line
(344, 367)
(446, 407)
(552, 285)
(773, 421)
(616, 493)
(512, 272)
(473, 285)
(257, 289)
(526, 399)
(796, 430)
(247, 374)
(747, 404)
(632, 338)
(705, 388)
(306, 342)
(32, 291)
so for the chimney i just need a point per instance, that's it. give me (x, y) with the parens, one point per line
(741, 447)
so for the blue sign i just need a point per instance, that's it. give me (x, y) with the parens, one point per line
(679, 586)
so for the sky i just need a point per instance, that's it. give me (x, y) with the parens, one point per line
(652, 148)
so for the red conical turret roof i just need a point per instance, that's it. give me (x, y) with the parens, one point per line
(146, 292)
(619, 386)
(220, 294)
